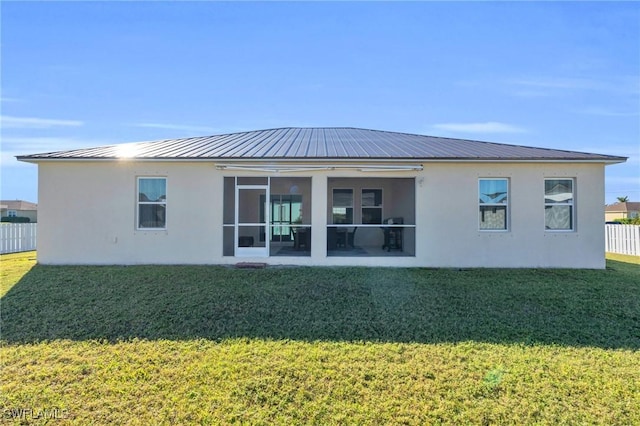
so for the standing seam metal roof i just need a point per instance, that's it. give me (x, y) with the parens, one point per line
(322, 143)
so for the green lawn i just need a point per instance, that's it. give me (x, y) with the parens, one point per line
(206, 344)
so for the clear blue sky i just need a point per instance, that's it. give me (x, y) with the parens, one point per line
(559, 75)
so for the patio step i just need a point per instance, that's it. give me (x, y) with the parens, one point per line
(251, 265)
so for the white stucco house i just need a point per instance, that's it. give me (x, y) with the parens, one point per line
(624, 210)
(322, 196)
(19, 209)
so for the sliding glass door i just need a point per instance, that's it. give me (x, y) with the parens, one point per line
(286, 210)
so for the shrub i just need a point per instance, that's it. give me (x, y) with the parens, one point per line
(629, 221)
(16, 219)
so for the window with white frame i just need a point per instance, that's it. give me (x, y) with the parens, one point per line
(493, 200)
(342, 206)
(558, 204)
(152, 203)
(371, 206)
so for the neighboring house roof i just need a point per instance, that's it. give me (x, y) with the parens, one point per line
(18, 205)
(320, 144)
(628, 206)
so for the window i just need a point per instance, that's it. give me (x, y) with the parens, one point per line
(558, 204)
(343, 206)
(493, 199)
(371, 206)
(12, 213)
(152, 203)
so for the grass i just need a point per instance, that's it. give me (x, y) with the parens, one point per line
(624, 258)
(207, 345)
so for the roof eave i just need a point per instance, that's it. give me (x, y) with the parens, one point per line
(605, 160)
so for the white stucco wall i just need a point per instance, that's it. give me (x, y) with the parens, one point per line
(450, 200)
(89, 208)
(87, 216)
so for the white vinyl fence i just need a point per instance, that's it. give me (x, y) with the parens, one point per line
(16, 237)
(623, 239)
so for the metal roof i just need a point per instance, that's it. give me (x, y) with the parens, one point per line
(306, 144)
